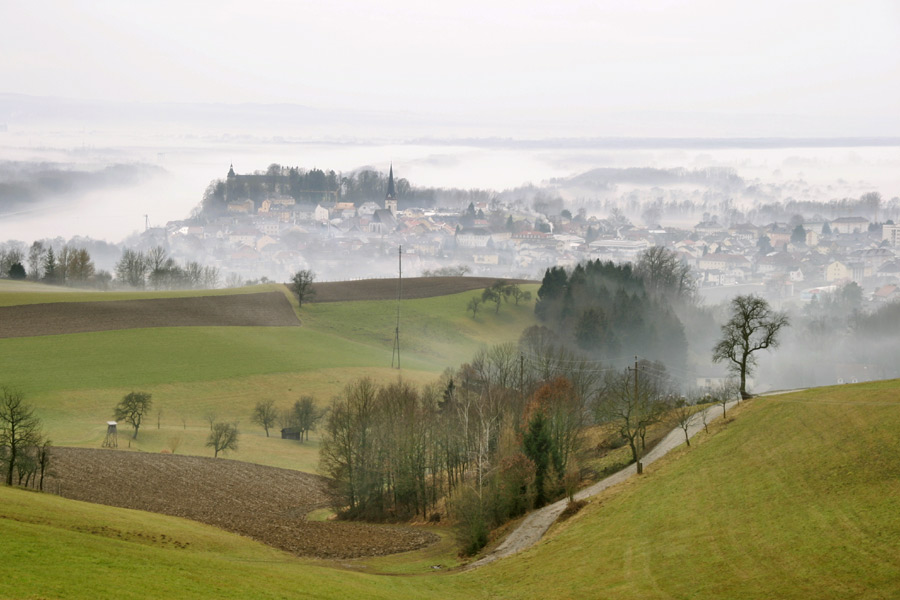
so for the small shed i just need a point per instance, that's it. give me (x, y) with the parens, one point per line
(290, 433)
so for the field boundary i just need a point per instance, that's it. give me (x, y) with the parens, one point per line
(266, 309)
(413, 288)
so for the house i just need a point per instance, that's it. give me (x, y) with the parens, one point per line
(367, 209)
(848, 225)
(321, 214)
(290, 433)
(242, 207)
(891, 234)
(886, 293)
(721, 262)
(837, 271)
(473, 237)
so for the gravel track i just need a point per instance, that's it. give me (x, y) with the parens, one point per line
(530, 531)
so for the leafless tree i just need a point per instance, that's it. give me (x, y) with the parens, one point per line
(20, 429)
(222, 438)
(210, 416)
(306, 415)
(632, 402)
(753, 326)
(683, 414)
(265, 414)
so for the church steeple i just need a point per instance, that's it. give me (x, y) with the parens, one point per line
(391, 194)
(231, 171)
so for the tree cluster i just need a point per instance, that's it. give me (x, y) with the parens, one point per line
(315, 185)
(303, 415)
(67, 266)
(156, 270)
(24, 449)
(498, 293)
(606, 309)
(489, 440)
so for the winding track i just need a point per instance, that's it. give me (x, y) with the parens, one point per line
(530, 531)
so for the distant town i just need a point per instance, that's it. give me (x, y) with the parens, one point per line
(275, 234)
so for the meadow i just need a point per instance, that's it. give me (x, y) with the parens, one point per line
(196, 373)
(794, 496)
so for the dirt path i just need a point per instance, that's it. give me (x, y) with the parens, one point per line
(530, 531)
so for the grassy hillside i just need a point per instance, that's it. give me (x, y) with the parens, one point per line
(797, 497)
(75, 380)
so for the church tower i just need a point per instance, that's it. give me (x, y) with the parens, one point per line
(229, 184)
(390, 199)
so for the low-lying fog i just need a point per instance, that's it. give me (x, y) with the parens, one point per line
(164, 175)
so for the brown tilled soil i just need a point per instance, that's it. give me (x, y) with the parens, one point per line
(270, 309)
(413, 287)
(263, 503)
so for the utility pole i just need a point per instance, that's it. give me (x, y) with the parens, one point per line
(396, 351)
(640, 465)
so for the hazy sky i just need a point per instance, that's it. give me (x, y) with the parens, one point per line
(836, 63)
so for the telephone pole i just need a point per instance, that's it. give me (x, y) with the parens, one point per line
(396, 351)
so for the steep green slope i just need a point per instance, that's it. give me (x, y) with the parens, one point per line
(797, 497)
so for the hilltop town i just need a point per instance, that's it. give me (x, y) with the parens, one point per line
(250, 231)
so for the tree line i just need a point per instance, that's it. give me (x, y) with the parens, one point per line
(24, 448)
(68, 266)
(608, 310)
(492, 439)
(315, 185)
(155, 269)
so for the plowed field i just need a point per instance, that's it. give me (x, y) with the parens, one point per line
(263, 503)
(413, 287)
(270, 309)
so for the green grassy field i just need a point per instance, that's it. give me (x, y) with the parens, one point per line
(75, 380)
(13, 293)
(797, 496)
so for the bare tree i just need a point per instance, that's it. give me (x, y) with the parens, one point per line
(222, 438)
(725, 392)
(302, 285)
(210, 417)
(36, 260)
(132, 409)
(265, 414)
(306, 416)
(664, 274)
(683, 414)
(474, 305)
(19, 430)
(632, 403)
(753, 326)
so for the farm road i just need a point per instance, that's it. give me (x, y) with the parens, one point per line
(530, 531)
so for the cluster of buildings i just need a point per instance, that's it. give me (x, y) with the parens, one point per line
(340, 240)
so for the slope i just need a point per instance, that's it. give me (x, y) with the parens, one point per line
(794, 496)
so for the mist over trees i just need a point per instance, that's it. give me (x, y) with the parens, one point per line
(30, 184)
(607, 312)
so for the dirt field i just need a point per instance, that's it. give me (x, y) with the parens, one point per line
(413, 287)
(270, 309)
(263, 503)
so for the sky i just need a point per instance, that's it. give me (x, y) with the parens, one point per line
(663, 67)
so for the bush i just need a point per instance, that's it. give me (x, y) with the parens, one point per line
(471, 521)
